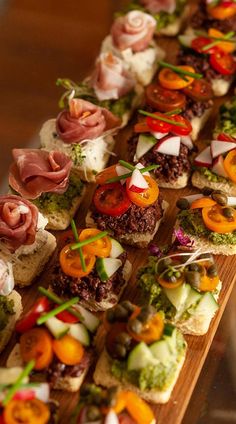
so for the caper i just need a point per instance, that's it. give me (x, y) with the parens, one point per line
(128, 305)
(121, 313)
(220, 198)
(163, 264)
(93, 413)
(212, 271)
(228, 212)
(183, 203)
(136, 326)
(206, 191)
(193, 278)
(123, 338)
(145, 313)
(120, 350)
(169, 276)
(110, 315)
(193, 267)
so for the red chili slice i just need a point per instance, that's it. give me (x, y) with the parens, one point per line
(200, 90)
(29, 320)
(181, 130)
(158, 126)
(163, 99)
(223, 63)
(111, 199)
(225, 137)
(65, 316)
(200, 42)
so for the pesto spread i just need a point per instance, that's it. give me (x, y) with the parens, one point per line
(192, 223)
(227, 119)
(53, 202)
(211, 176)
(6, 309)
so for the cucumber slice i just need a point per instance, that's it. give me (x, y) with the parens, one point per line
(10, 375)
(178, 296)
(207, 306)
(161, 351)
(145, 143)
(193, 297)
(106, 267)
(116, 249)
(186, 40)
(80, 333)
(140, 357)
(171, 341)
(56, 327)
(90, 321)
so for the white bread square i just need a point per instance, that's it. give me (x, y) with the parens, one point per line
(7, 332)
(103, 376)
(200, 181)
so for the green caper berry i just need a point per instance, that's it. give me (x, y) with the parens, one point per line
(193, 267)
(136, 326)
(93, 413)
(120, 350)
(183, 204)
(206, 191)
(193, 278)
(178, 274)
(212, 271)
(123, 338)
(121, 313)
(110, 315)
(228, 212)
(128, 305)
(220, 198)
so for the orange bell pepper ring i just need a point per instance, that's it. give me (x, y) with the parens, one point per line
(71, 264)
(204, 202)
(171, 80)
(215, 221)
(37, 344)
(226, 46)
(221, 12)
(152, 330)
(26, 412)
(68, 350)
(100, 247)
(230, 165)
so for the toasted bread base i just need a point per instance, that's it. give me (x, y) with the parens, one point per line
(134, 239)
(200, 181)
(205, 245)
(103, 376)
(181, 182)
(6, 334)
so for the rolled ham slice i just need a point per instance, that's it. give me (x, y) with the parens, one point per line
(35, 171)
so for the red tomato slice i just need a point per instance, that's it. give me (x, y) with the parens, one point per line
(111, 199)
(158, 126)
(65, 316)
(200, 42)
(223, 63)
(181, 130)
(199, 90)
(163, 99)
(29, 320)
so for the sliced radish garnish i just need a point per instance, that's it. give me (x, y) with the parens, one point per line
(42, 392)
(231, 201)
(137, 182)
(121, 170)
(193, 197)
(169, 146)
(140, 166)
(187, 141)
(24, 394)
(220, 147)
(159, 135)
(218, 166)
(204, 158)
(145, 143)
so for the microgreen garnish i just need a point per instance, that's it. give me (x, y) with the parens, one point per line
(60, 308)
(216, 42)
(51, 296)
(180, 71)
(26, 371)
(89, 240)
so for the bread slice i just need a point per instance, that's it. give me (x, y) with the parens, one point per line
(6, 334)
(114, 298)
(181, 182)
(61, 219)
(198, 123)
(207, 246)
(69, 384)
(104, 377)
(133, 239)
(174, 28)
(200, 181)
(28, 264)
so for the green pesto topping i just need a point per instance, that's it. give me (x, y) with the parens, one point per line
(53, 202)
(6, 309)
(227, 119)
(211, 176)
(192, 223)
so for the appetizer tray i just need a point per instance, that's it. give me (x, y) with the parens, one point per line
(198, 347)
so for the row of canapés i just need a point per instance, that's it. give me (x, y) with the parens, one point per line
(144, 348)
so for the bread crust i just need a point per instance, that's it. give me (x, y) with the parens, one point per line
(7, 332)
(200, 181)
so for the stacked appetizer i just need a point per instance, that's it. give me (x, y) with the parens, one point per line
(93, 266)
(226, 121)
(58, 338)
(22, 401)
(209, 221)
(112, 405)
(218, 14)
(142, 353)
(127, 204)
(185, 286)
(24, 242)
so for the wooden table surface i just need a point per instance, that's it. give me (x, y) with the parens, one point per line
(38, 43)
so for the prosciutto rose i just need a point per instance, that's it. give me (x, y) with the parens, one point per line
(18, 221)
(35, 171)
(84, 120)
(134, 30)
(110, 79)
(156, 6)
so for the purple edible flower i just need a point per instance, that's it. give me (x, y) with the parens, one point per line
(181, 238)
(154, 250)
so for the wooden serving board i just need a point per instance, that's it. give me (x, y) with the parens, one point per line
(173, 411)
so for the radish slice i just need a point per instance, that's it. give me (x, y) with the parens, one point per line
(121, 170)
(42, 392)
(193, 197)
(204, 158)
(169, 146)
(231, 201)
(220, 147)
(137, 182)
(218, 167)
(159, 135)
(145, 143)
(111, 418)
(140, 166)
(187, 141)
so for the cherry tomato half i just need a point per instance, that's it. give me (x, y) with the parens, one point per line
(224, 11)
(200, 90)
(28, 321)
(225, 137)
(223, 63)
(200, 42)
(66, 317)
(158, 126)
(164, 100)
(185, 130)
(111, 199)
(148, 197)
